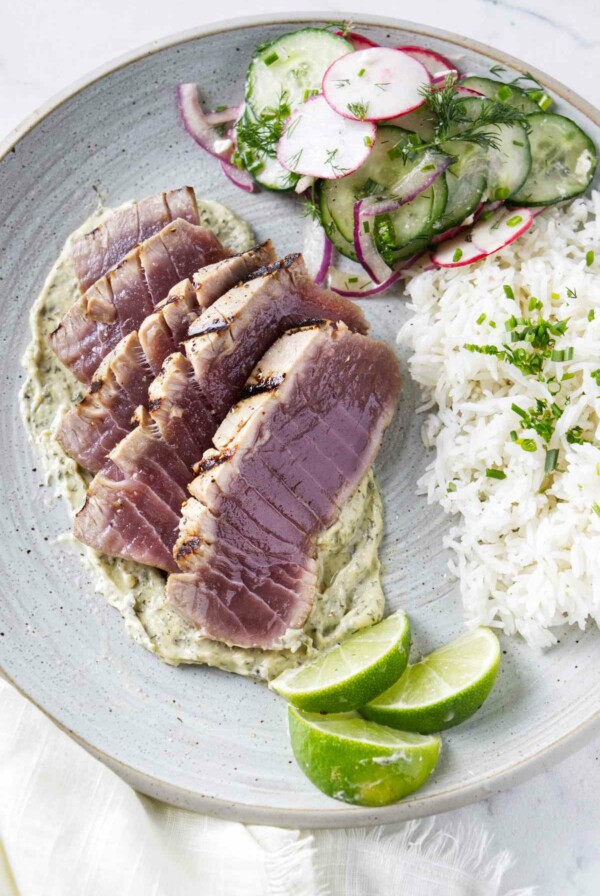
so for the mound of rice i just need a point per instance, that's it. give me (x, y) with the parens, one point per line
(526, 548)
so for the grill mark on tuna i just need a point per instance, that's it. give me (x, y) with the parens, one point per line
(87, 432)
(203, 466)
(269, 384)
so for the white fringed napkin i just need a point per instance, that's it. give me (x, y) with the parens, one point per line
(70, 827)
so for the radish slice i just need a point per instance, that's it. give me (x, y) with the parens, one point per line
(501, 229)
(437, 65)
(457, 252)
(375, 84)
(484, 238)
(358, 41)
(319, 142)
(317, 250)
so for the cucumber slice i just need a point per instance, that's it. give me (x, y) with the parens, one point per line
(564, 161)
(466, 180)
(383, 168)
(264, 167)
(344, 246)
(510, 163)
(410, 248)
(508, 94)
(421, 122)
(293, 65)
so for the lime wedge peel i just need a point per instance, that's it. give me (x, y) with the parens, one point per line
(442, 690)
(351, 759)
(353, 672)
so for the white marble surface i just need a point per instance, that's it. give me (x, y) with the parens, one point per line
(551, 823)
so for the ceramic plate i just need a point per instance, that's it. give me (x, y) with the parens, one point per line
(198, 737)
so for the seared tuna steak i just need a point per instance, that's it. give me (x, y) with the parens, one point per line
(286, 458)
(118, 303)
(192, 395)
(104, 416)
(95, 253)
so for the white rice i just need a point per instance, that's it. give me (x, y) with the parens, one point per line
(526, 549)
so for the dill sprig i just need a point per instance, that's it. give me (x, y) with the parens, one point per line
(261, 135)
(452, 121)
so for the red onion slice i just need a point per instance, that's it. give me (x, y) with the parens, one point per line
(196, 124)
(432, 165)
(317, 250)
(339, 281)
(232, 113)
(238, 176)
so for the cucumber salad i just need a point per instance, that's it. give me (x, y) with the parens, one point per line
(397, 155)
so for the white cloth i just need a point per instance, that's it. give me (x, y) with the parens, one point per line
(70, 827)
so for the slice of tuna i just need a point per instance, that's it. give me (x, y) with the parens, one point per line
(104, 416)
(95, 253)
(264, 493)
(228, 340)
(189, 399)
(118, 303)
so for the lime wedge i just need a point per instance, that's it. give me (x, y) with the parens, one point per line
(443, 689)
(360, 762)
(352, 673)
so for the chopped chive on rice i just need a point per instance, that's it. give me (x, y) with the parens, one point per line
(551, 459)
(495, 474)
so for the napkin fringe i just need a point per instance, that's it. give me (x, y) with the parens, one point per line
(291, 868)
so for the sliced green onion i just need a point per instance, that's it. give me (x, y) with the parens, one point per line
(498, 474)
(492, 324)
(519, 411)
(481, 318)
(271, 58)
(508, 291)
(551, 459)
(451, 487)
(562, 354)
(351, 279)
(591, 315)
(504, 93)
(596, 507)
(513, 435)
(589, 258)
(361, 72)
(516, 219)
(502, 193)
(368, 140)
(528, 444)
(366, 226)
(458, 254)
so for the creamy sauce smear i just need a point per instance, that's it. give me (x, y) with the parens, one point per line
(349, 593)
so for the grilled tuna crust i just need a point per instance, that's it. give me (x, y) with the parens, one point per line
(104, 416)
(190, 397)
(119, 301)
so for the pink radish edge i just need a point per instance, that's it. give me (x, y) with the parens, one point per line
(447, 66)
(345, 114)
(358, 41)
